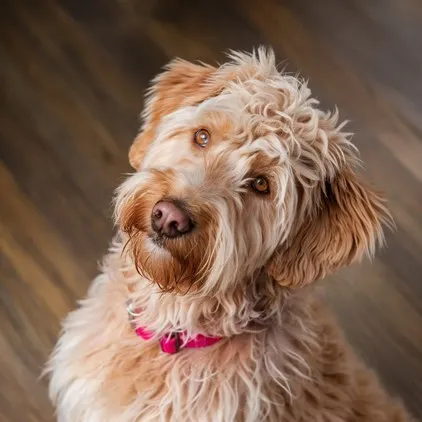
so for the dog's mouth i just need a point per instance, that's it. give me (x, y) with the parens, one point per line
(162, 239)
(158, 239)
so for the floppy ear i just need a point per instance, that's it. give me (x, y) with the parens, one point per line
(181, 84)
(347, 224)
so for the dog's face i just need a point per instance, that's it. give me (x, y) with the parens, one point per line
(237, 172)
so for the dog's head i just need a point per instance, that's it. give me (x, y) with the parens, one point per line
(238, 172)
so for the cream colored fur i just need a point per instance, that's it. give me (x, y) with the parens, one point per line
(241, 274)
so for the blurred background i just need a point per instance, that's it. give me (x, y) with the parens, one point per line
(72, 78)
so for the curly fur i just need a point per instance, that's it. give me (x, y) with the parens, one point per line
(245, 271)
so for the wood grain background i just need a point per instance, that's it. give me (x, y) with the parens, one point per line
(72, 77)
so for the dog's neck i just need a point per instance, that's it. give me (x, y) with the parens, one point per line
(255, 305)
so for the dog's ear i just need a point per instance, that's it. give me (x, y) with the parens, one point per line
(347, 223)
(181, 84)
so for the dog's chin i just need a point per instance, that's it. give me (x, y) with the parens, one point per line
(163, 261)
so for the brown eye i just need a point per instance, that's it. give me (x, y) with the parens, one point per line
(260, 185)
(201, 138)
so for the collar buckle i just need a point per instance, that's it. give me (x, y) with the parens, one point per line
(171, 343)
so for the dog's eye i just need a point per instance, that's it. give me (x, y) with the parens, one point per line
(201, 138)
(260, 185)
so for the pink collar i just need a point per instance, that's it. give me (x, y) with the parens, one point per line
(174, 342)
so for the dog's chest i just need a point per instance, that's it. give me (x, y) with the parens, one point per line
(125, 378)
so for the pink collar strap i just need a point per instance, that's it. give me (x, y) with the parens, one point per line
(174, 342)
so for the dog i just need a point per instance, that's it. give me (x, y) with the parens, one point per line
(244, 194)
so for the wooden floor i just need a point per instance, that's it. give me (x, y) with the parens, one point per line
(72, 76)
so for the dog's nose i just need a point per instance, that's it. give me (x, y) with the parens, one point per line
(169, 219)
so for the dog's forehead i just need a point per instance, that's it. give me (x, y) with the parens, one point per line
(247, 118)
(254, 121)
